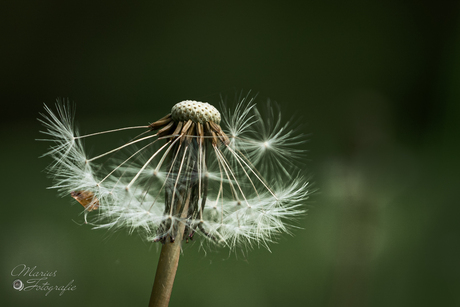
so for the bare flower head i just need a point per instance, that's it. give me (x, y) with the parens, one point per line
(235, 184)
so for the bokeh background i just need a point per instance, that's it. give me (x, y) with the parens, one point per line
(375, 84)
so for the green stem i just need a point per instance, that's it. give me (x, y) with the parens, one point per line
(167, 265)
(166, 272)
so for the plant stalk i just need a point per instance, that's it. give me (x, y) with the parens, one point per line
(166, 272)
(167, 266)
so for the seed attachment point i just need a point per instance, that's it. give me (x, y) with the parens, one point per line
(196, 111)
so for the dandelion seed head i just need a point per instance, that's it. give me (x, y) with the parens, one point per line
(233, 185)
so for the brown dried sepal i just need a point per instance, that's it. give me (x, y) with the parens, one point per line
(86, 199)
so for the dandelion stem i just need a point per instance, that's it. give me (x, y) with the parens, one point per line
(166, 272)
(168, 263)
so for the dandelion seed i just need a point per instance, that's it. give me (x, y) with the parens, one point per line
(184, 174)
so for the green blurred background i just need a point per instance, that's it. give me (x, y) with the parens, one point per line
(375, 83)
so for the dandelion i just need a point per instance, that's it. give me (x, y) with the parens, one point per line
(186, 175)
